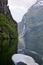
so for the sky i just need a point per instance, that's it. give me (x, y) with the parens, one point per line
(19, 7)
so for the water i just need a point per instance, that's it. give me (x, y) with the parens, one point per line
(21, 45)
(7, 48)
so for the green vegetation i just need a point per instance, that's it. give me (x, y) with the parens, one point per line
(8, 40)
(7, 28)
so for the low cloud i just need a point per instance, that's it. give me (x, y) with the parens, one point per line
(19, 7)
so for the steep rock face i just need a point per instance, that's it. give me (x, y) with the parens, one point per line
(6, 13)
(33, 36)
(8, 34)
(5, 9)
(34, 22)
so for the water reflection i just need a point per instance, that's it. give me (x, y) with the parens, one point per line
(7, 48)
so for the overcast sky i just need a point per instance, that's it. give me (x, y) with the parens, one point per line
(19, 7)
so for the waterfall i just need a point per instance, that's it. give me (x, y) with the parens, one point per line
(21, 44)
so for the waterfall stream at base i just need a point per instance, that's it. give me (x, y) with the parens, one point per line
(21, 45)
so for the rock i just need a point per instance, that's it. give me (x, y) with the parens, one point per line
(5, 9)
(8, 34)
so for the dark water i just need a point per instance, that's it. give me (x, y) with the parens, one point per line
(7, 48)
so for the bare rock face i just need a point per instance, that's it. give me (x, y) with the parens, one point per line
(3, 6)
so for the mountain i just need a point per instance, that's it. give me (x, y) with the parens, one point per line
(8, 34)
(33, 34)
(7, 25)
(33, 38)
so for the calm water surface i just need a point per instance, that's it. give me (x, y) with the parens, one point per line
(7, 48)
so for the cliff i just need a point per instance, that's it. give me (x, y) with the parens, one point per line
(8, 34)
(5, 12)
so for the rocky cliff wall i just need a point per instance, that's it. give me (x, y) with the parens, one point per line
(5, 9)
